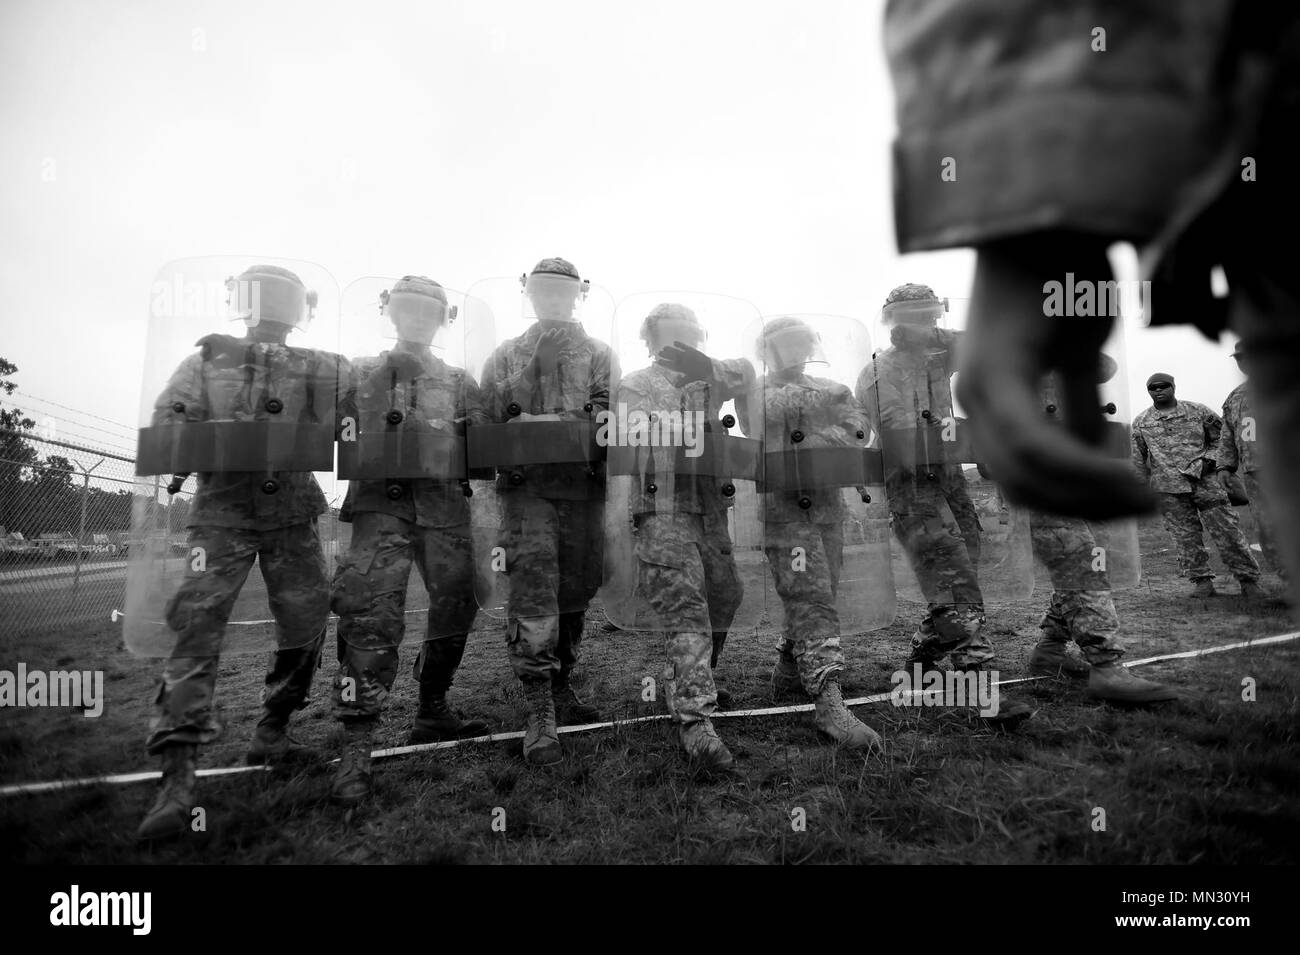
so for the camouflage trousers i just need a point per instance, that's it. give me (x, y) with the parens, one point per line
(808, 585)
(939, 548)
(369, 595)
(554, 563)
(1207, 506)
(293, 565)
(1259, 509)
(687, 573)
(1080, 608)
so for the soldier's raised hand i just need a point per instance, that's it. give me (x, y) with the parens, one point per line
(686, 360)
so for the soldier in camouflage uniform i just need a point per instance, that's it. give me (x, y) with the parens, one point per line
(907, 386)
(686, 568)
(236, 523)
(553, 520)
(1238, 453)
(398, 524)
(1174, 448)
(824, 411)
(1080, 607)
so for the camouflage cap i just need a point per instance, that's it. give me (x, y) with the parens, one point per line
(911, 293)
(269, 271)
(419, 285)
(555, 266)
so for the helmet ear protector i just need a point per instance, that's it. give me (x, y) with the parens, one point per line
(451, 311)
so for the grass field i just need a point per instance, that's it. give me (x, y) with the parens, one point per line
(1210, 779)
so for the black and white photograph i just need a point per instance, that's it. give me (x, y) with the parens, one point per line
(491, 432)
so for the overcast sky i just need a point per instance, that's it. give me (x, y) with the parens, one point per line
(735, 148)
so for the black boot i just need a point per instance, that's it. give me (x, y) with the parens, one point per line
(273, 744)
(434, 669)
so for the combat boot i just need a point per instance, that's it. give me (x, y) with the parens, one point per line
(571, 709)
(170, 814)
(1251, 590)
(1053, 658)
(1113, 683)
(541, 739)
(1204, 588)
(834, 720)
(273, 744)
(705, 750)
(352, 783)
(435, 721)
(786, 681)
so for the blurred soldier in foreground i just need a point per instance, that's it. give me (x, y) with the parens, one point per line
(238, 518)
(907, 395)
(686, 568)
(1080, 607)
(1174, 448)
(801, 411)
(1139, 121)
(1239, 454)
(400, 523)
(552, 514)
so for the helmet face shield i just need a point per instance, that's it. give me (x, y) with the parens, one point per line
(913, 313)
(554, 298)
(258, 296)
(418, 318)
(789, 344)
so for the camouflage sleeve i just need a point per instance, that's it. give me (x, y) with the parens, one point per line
(497, 387)
(847, 416)
(186, 386)
(604, 374)
(1226, 455)
(1213, 425)
(471, 407)
(868, 400)
(1141, 460)
(734, 377)
(637, 398)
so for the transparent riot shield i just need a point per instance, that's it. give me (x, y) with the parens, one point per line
(408, 570)
(956, 538)
(1093, 555)
(683, 535)
(823, 533)
(546, 370)
(233, 527)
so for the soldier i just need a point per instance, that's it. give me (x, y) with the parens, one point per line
(397, 523)
(1174, 448)
(1239, 453)
(1080, 607)
(686, 570)
(906, 391)
(821, 412)
(236, 519)
(552, 514)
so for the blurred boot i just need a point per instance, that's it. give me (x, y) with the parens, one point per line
(352, 783)
(1204, 588)
(170, 814)
(1052, 657)
(273, 744)
(1113, 683)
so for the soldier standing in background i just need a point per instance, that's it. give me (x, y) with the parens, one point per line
(1174, 448)
(1238, 453)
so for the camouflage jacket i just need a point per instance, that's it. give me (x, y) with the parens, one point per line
(442, 398)
(901, 383)
(232, 379)
(1238, 449)
(1170, 448)
(576, 389)
(826, 413)
(655, 390)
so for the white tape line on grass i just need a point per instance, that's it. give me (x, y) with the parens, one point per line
(124, 779)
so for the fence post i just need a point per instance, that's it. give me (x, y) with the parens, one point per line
(81, 525)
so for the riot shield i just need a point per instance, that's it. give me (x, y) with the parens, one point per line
(407, 573)
(239, 403)
(956, 538)
(541, 343)
(823, 534)
(683, 542)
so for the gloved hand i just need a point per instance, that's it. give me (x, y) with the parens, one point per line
(687, 361)
(547, 353)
